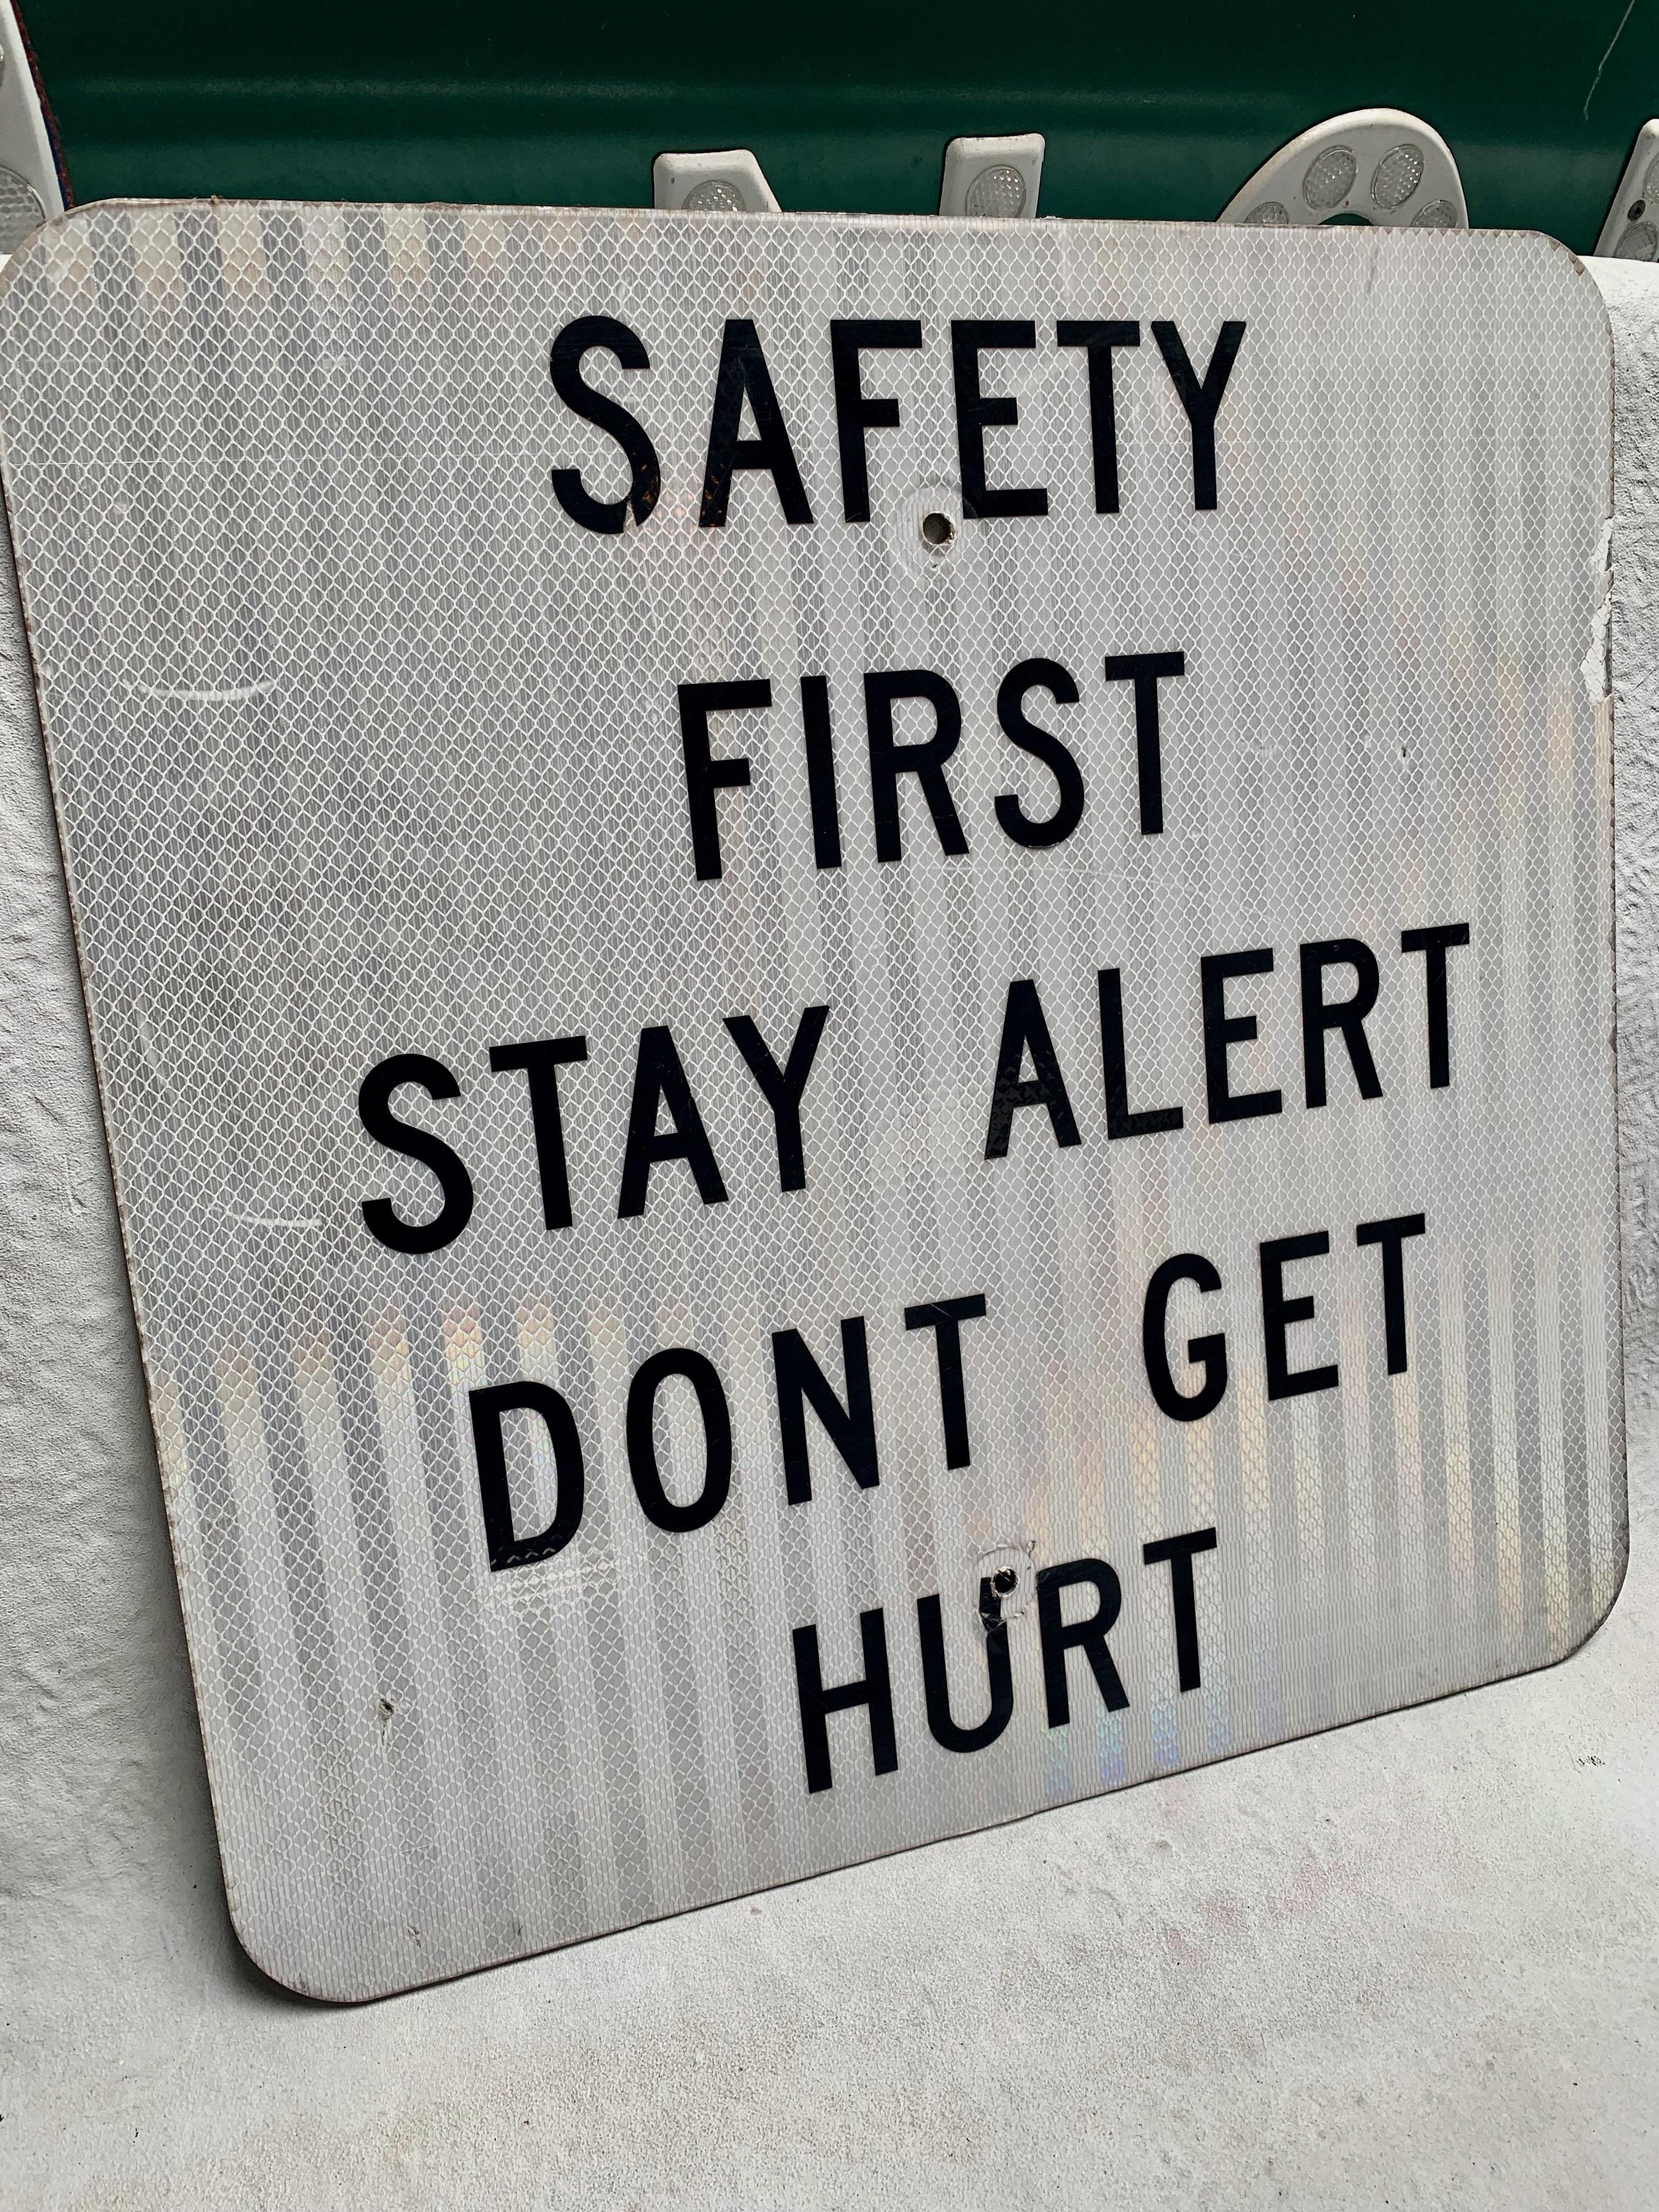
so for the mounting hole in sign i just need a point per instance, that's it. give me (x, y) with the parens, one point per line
(1004, 1584)
(938, 531)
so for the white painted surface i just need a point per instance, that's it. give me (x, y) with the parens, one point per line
(1415, 1962)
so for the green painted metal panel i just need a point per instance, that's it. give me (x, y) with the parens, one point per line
(1149, 110)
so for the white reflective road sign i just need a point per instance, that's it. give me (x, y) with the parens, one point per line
(852, 981)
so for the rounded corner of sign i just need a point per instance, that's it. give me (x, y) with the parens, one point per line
(1546, 244)
(27, 248)
(1600, 1619)
(57, 222)
(68, 218)
(1587, 286)
(1579, 276)
(1620, 1576)
(268, 1955)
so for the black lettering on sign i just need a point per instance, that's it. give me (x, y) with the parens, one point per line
(541, 1060)
(1280, 1313)
(381, 1218)
(1223, 1031)
(575, 340)
(1389, 1237)
(1120, 1122)
(1145, 670)
(782, 1087)
(874, 1688)
(1208, 1353)
(1043, 745)
(660, 1508)
(743, 374)
(1025, 1033)
(978, 411)
(888, 760)
(506, 1547)
(1101, 340)
(1201, 400)
(1178, 1554)
(1347, 1016)
(1061, 1629)
(857, 410)
(1087, 1634)
(704, 774)
(659, 1082)
(798, 1381)
(1434, 943)
(942, 1723)
(821, 793)
(944, 1316)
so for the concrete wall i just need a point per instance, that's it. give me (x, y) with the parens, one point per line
(1415, 1962)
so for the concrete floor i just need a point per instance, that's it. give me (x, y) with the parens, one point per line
(1414, 1963)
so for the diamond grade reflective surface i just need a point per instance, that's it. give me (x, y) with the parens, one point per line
(361, 747)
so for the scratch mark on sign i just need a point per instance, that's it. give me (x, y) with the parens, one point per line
(1595, 669)
(233, 694)
(1629, 11)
